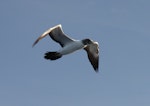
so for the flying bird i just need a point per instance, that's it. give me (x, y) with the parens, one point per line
(70, 45)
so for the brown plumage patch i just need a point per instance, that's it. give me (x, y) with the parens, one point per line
(93, 54)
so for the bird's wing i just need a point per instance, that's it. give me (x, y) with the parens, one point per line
(93, 54)
(57, 34)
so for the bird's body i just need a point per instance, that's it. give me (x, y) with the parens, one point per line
(70, 45)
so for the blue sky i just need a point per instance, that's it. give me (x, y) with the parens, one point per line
(120, 26)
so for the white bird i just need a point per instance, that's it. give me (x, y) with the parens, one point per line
(70, 45)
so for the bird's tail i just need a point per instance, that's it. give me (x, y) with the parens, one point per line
(52, 55)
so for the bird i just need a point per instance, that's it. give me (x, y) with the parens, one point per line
(69, 45)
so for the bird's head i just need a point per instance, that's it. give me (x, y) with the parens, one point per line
(87, 41)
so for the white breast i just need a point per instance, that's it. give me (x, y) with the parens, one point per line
(71, 47)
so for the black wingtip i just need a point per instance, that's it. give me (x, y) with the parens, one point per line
(34, 43)
(96, 69)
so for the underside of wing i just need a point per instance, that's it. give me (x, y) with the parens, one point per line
(93, 55)
(59, 36)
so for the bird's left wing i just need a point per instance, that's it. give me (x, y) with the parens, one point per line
(56, 34)
(93, 54)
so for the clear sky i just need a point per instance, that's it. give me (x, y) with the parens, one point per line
(122, 28)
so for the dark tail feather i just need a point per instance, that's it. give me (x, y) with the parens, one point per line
(52, 55)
